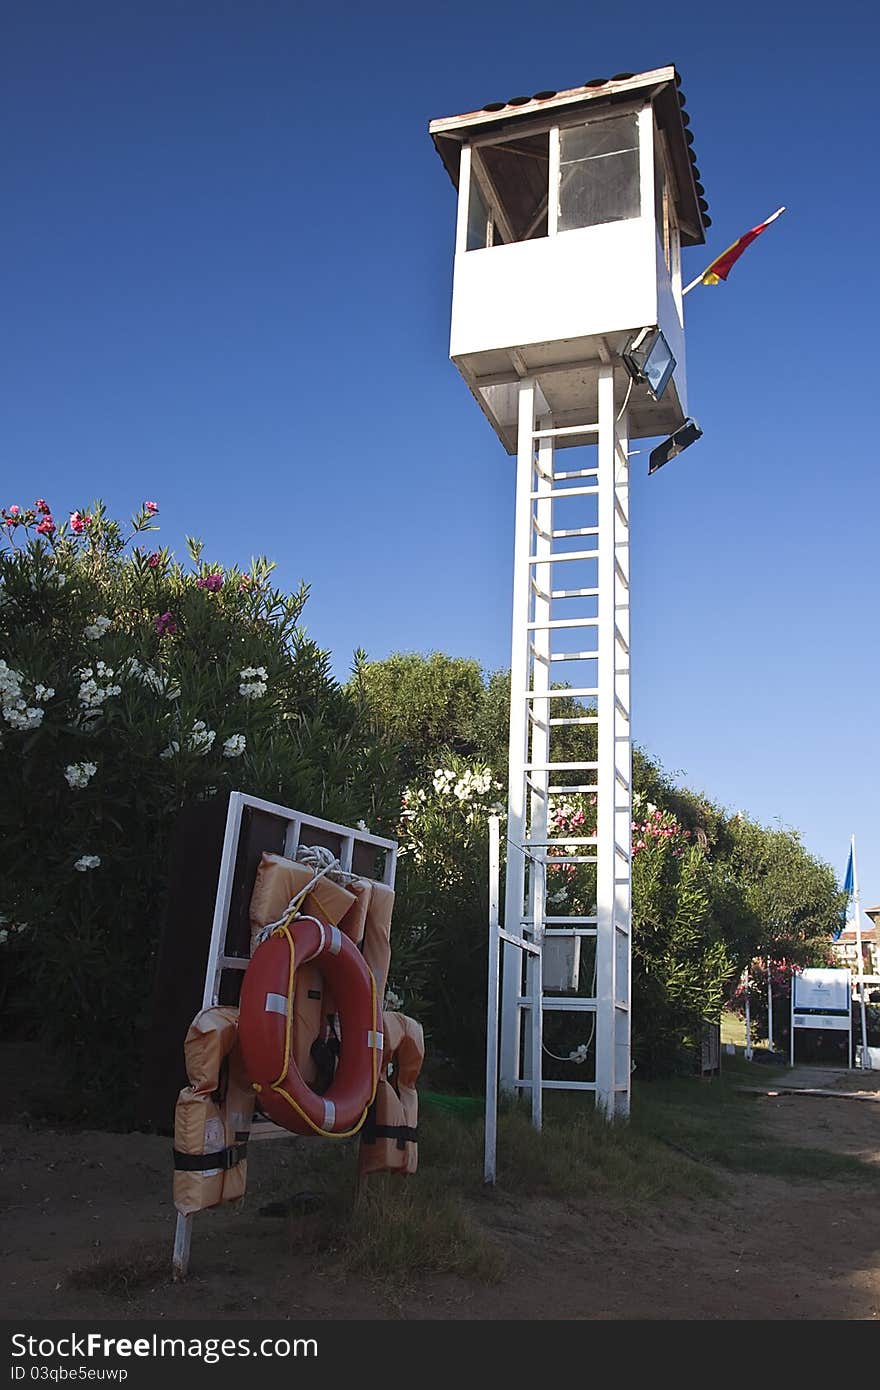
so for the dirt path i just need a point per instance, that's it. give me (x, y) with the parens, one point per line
(766, 1248)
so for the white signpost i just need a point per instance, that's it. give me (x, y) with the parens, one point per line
(822, 998)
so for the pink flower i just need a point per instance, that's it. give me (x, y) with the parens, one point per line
(42, 506)
(46, 527)
(153, 560)
(211, 582)
(14, 511)
(166, 625)
(77, 522)
(151, 507)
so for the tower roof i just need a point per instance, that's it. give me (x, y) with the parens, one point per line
(661, 85)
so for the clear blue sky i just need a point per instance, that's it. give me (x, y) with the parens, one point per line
(226, 279)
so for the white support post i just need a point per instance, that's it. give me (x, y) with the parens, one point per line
(605, 778)
(491, 1130)
(857, 909)
(622, 922)
(515, 877)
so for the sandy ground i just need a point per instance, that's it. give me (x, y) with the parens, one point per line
(766, 1248)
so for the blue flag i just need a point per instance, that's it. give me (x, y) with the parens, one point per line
(848, 890)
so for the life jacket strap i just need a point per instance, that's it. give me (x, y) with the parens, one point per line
(200, 1163)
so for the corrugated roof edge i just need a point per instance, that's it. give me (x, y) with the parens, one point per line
(447, 132)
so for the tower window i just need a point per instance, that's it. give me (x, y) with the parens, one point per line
(599, 173)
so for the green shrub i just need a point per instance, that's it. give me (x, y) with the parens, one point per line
(130, 685)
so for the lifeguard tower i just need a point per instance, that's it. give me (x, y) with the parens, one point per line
(567, 325)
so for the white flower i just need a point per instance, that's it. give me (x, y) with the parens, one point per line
(86, 862)
(97, 628)
(253, 682)
(161, 685)
(560, 897)
(43, 693)
(362, 825)
(234, 746)
(169, 752)
(392, 1000)
(200, 737)
(579, 1055)
(91, 695)
(80, 774)
(16, 711)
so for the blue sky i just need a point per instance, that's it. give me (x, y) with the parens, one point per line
(226, 281)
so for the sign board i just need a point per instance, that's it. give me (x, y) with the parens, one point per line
(821, 998)
(821, 991)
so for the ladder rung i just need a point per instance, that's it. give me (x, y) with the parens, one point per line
(584, 787)
(569, 859)
(578, 1003)
(587, 719)
(562, 622)
(578, 531)
(572, 694)
(576, 473)
(574, 593)
(233, 963)
(573, 656)
(562, 921)
(566, 430)
(583, 932)
(573, 840)
(563, 491)
(560, 767)
(563, 555)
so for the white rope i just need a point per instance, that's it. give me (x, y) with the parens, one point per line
(323, 861)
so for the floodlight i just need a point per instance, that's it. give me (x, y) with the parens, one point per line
(686, 434)
(648, 358)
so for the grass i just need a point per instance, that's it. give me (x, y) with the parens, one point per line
(715, 1124)
(684, 1137)
(123, 1276)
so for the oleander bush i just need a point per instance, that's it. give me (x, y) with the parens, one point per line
(131, 684)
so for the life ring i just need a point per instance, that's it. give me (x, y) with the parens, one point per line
(265, 1030)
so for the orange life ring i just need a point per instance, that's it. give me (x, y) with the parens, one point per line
(265, 1030)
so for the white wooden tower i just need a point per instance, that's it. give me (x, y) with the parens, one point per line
(567, 325)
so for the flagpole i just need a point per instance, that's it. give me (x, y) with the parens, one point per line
(866, 1063)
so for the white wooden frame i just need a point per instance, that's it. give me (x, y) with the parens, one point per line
(533, 950)
(218, 960)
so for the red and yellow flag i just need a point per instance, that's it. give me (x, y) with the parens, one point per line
(723, 264)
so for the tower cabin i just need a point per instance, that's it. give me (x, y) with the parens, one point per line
(573, 208)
